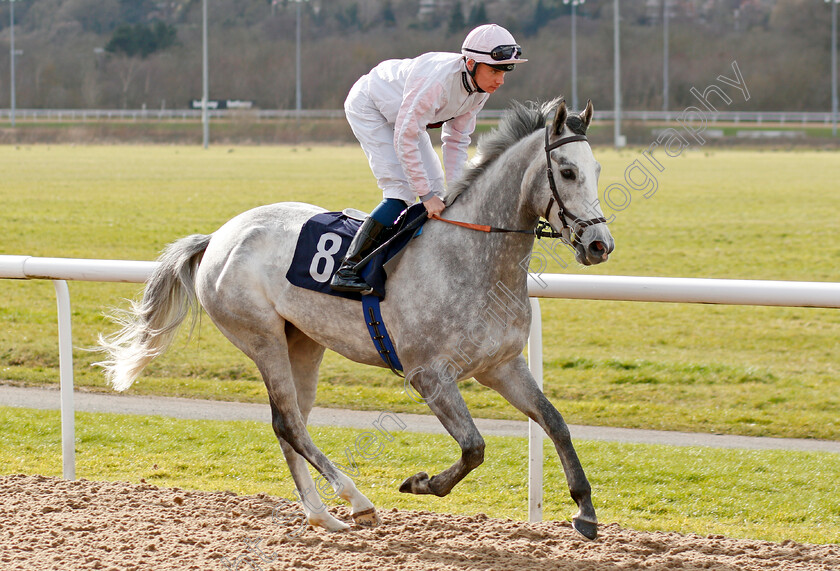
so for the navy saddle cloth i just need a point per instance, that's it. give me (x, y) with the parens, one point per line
(324, 240)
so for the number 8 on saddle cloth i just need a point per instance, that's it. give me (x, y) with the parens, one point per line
(323, 241)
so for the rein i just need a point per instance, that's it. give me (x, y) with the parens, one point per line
(480, 227)
(543, 228)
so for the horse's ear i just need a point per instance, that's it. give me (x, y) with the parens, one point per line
(559, 118)
(586, 115)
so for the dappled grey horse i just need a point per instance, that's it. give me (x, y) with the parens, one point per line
(457, 304)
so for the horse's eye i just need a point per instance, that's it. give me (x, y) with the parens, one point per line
(568, 174)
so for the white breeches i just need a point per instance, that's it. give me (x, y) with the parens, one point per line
(376, 136)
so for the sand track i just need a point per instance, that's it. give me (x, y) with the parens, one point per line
(51, 524)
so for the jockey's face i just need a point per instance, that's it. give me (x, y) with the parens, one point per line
(488, 78)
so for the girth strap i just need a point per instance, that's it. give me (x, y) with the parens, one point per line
(379, 335)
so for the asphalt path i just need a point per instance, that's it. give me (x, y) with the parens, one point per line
(49, 399)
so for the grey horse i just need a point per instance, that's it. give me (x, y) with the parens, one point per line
(457, 304)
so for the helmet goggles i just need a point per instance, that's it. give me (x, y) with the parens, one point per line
(501, 53)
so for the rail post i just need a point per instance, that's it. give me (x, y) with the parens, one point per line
(65, 360)
(535, 431)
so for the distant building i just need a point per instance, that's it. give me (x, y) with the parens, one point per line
(705, 9)
(653, 10)
(431, 10)
(437, 10)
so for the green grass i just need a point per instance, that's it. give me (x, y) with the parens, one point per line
(760, 495)
(724, 214)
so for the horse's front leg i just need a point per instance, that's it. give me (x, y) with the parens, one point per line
(445, 400)
(514, 381)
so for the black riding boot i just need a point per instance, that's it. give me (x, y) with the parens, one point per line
(365, 240)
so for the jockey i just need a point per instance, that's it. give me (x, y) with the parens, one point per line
(390, 110)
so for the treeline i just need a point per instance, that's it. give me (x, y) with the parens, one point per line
(136, 53)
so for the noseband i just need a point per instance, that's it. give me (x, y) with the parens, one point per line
(562, 212)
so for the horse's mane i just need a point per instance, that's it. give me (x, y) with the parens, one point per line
(517, 122)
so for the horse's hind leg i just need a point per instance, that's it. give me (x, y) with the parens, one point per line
(305, 358)
(315, 510)
(514, 381)
(261, 334)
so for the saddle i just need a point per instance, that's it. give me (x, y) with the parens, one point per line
(325, 238)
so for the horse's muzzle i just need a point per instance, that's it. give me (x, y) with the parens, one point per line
(595, 246)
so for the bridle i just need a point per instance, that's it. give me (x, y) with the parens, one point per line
(543, 229)
(562, 212)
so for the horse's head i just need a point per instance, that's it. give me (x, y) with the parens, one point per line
(568, 197)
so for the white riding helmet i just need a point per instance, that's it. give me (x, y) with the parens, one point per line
(494, 46)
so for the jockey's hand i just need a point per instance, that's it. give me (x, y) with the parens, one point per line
(434, 206)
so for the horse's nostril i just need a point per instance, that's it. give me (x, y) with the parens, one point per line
(598, 251)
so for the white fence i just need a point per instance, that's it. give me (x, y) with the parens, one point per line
(617, 288)
(777, 118)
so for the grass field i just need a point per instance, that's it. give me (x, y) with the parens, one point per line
(726, 214)
(737, 493)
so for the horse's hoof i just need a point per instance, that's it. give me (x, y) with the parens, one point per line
(416, 484)
(339, 529)
(588, 529)
(367, 518)
(329, 523)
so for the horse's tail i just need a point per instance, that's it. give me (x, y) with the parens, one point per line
(149, 327)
